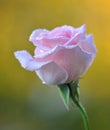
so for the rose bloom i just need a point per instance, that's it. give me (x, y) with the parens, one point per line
(61, 55)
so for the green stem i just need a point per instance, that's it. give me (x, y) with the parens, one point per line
(75, 97)
(83, 113)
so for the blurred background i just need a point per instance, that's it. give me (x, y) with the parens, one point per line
(27, 104)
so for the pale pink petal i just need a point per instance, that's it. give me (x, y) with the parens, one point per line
(88, 45)
(81, 29)
(78, 36)
(48, 43)
(65, 31)
(72, 59)
(27, 61)
(52, 74)
(37, 35)
(75, 39)
(43, 56)
(43, 39)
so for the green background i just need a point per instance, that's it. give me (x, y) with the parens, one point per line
(27, 104)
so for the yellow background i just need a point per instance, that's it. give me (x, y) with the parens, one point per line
(26, 104)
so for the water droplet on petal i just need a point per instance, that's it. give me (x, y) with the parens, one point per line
(43, 82)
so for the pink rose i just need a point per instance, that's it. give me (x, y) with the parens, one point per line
(61, 55)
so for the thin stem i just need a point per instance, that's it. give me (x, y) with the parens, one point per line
(83, 113)
(75, 98)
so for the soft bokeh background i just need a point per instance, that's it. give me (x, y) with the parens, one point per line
(26, 104)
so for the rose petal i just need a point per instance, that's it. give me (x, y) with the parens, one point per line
(75, 39)
(45, 40)
(37, 34)
(41, 56)
(48, 43)
(65, 31)
(52, 74)
(78, 36)
(27, 61)
(88, 45)
(81, 29)
(73, 59)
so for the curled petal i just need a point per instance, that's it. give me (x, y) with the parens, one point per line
(75, 39)
(81, 29)
(89, 45)
(42, 56)
(37, 34)
(65, 31)
(49, 72)
(78, 36)
(48, 43)
(52, 74)
(27, 61)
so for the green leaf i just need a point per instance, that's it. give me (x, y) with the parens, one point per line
(65, 94)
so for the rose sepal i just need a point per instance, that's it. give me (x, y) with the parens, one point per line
(65, 94)
(71, 91)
